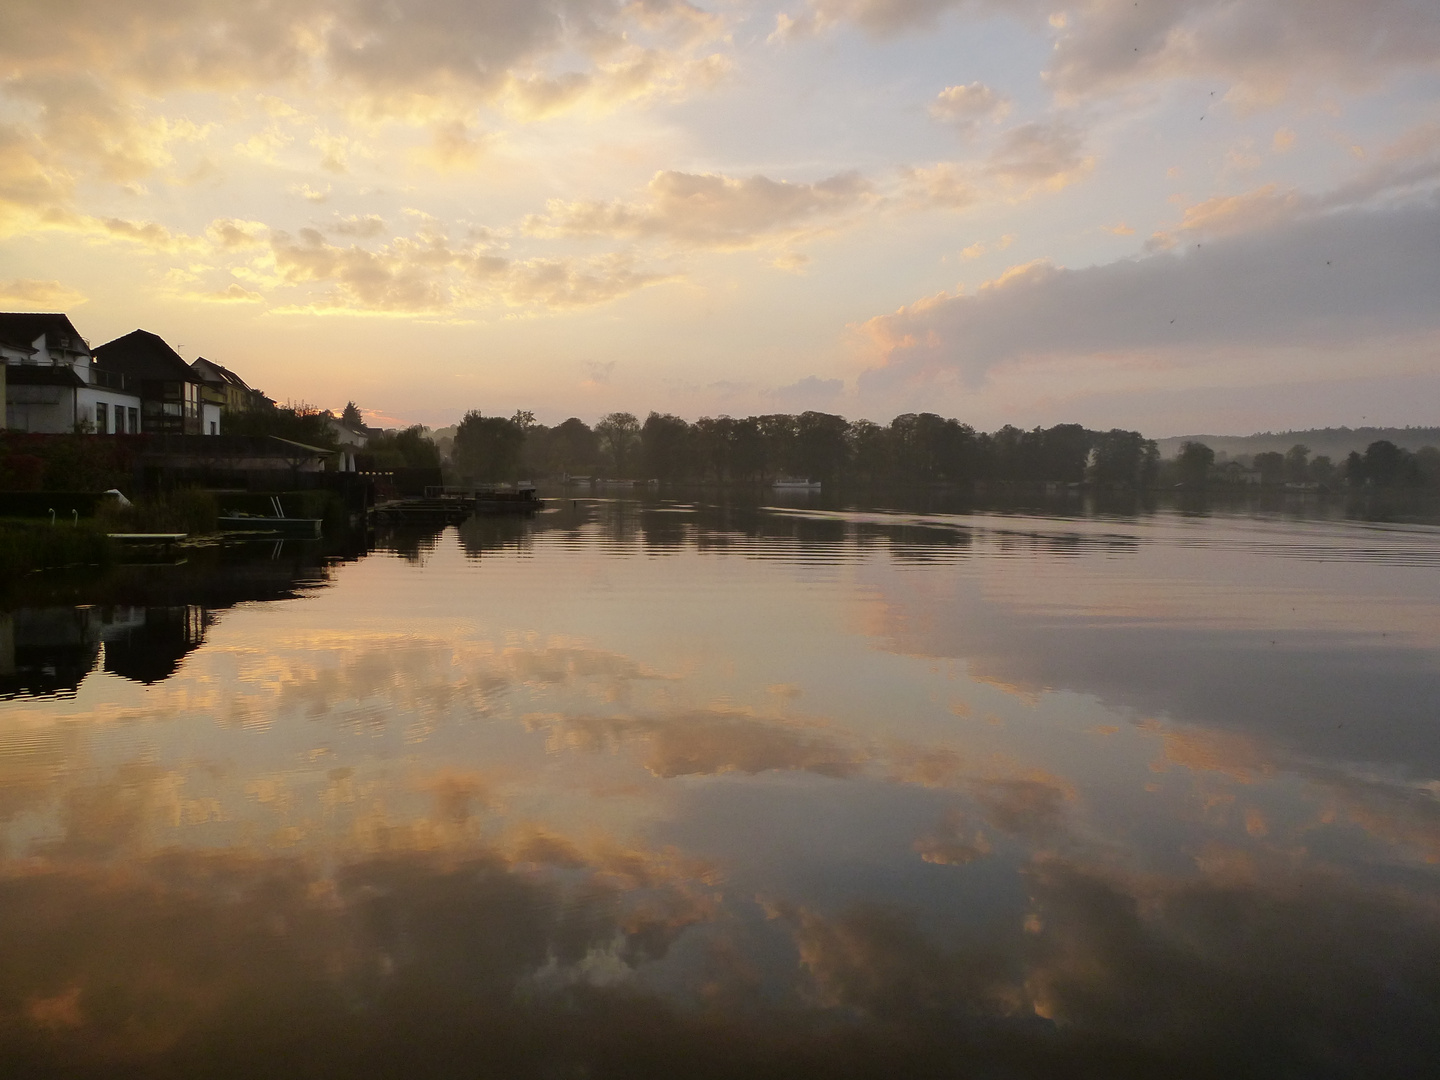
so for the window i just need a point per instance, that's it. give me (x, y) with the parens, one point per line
(134, 421)
(119, 420)
(102, 418)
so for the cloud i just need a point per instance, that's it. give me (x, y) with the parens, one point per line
(45, 294)
(1151, 956)
(1038, 155)
(1264, 48)
(361, 226)
(811, 392)
(705, 742)
(947, 185)
(384, 51)
(35, 191)
(881, 18)
(953, 842)
(711, 211)
(90, 84)
(571, 283)
(429, 274)
(1339, 278)
(964, 107)
(980, 247)
(234, 293)
(877, 960)
(455, 146)
(232, 233)
(1025, 160)
(311, 194)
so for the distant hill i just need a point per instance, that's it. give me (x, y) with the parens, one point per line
(1336, 443)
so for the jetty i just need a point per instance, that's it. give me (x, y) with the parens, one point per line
(449, 506)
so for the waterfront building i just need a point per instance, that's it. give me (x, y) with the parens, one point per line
(169, 389)
(52, 384)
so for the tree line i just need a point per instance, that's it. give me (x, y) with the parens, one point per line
(912, 448)
(1383, 464)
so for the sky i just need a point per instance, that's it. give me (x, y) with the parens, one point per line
(1177, 216)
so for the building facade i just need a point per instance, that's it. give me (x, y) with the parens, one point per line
(226, 389)
(52, 385)
(170, 391)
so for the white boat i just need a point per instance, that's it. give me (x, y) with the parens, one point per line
(795, 483)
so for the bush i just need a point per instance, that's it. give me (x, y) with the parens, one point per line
(37, 545)
(66, 462)
(186, 510)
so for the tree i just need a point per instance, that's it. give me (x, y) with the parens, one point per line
(1124, 459)
(410, 448)
(820, 447)
(1194, 462)
(1386, 465)
(665, 447)
(574, 448)
(1427, 466)
(1297, 463)
(712, 446)
(1354, 469)
(295, 421)
(488, 448)
(350, 415)
(1321, 469)
(1271, 466)
(619, 434)
(1063, 450)
(869, 450)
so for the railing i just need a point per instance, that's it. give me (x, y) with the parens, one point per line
(111, 380)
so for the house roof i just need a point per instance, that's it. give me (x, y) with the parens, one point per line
(219, 447)
(42, 375)
(27, 326)
(211, 372)
(143, 355)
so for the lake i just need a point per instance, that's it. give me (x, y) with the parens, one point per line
(670, 788)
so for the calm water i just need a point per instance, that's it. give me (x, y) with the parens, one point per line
(671, 790)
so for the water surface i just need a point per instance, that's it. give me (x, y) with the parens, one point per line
(674, 789)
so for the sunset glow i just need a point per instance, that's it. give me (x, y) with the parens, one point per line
(1172, 215)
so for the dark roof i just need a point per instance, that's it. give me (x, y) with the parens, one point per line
(26, 326)
(215, 447)
(42, 375)
(222, 373)
(18, 347)
(143, 355)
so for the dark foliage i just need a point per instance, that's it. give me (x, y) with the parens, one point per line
(67, 462)
(913, 448)
(489, 448)
(297, 422)
(409, 448)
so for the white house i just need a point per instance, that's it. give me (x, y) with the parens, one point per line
(52, 385)
(351, 438)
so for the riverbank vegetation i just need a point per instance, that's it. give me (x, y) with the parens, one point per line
(913, 448)
(40, 545)
(1382, 465)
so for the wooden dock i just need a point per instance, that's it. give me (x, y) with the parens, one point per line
(451, 509)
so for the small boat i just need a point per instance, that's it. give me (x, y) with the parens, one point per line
(276, 524)
(795, 483)
(507, 500)
(270, 526)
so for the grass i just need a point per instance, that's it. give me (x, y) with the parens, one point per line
(27, 545)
